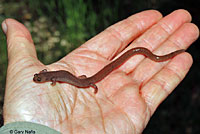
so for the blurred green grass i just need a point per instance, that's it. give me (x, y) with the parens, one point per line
(3, 67)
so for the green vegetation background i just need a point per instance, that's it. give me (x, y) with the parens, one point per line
(59, 26)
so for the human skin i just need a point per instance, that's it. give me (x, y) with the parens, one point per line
(127, 97)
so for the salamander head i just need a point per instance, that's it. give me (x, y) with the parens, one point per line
(38, 78)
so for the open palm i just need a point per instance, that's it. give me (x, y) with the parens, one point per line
(126, 98)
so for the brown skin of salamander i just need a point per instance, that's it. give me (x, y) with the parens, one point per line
(84, 82)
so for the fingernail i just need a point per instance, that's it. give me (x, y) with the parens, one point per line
(4, 27)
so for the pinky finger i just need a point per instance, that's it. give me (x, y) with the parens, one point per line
(165, 81)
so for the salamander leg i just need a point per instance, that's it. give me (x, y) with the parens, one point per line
(53, 80)
(44, 70)
(95, 87)
(82, 77)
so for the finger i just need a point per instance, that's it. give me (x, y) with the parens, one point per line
(181, 39)
(116, 37)
(143, 72)
(155, 36)
(165, 81)
(19, 42)
(97, 52)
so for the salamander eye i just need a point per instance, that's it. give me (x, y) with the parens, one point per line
(38, 79)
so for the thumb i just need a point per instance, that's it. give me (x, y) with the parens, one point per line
(20, 46)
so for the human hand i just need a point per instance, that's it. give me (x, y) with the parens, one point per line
(126, 98)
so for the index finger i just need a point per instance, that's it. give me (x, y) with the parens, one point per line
(116, 37)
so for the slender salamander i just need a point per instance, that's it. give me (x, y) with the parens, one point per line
(84, 82)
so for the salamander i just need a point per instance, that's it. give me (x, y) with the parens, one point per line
(84, 82)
